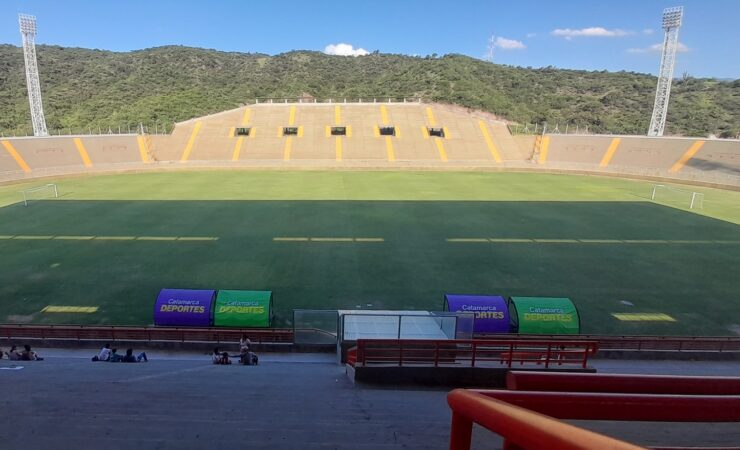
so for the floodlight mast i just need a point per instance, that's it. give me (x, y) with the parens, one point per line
(489, 50)
(28, 32)
(671, 23)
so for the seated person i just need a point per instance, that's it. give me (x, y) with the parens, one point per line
(104, 354)
(220, 357)
(130, 358)
(29, 355)
(248, 358)
(244, 344)
(13, 354)
(115, 357)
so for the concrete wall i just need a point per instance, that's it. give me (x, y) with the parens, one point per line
(32, 157)
(681, 158)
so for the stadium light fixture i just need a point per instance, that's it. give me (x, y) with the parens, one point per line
(671, 23)
(28, 33)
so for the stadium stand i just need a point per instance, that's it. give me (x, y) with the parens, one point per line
(420, 135)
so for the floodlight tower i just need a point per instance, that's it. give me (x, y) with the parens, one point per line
(489, 50)
(28, 31)
(671, 23)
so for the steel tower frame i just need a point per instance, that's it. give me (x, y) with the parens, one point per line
(671, 23)
(28, 32)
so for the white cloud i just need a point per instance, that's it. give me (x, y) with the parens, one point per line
(657, 48)
(531, 35)
(508, 44)
(648, 31)
(570, 33)
(343, 49)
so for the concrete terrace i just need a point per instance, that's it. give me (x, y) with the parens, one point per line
(180, 400)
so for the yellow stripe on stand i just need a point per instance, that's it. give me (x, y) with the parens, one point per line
(337, 115)
(328, 131)
(441, 148)
(544, 147)
(252, 132)
(237, 148)
(489, 142)
(339, 148)
(430, 117)
(142, 149)
(288, 147)
(424, 132)
(16, 156)
(610, 152)
(83, 153)
(389, 149)
(191, 142)
(291, 116)
(245, 117)
(232, 132)
(384, 114)
(349, 131)
(687, 156)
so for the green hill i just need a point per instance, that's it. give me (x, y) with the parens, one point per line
(92, 88)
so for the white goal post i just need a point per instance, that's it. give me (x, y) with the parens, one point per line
(45, 191)
(680, 197)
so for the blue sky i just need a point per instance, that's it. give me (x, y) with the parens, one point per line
(594, 35)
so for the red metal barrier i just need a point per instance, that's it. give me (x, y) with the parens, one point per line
(474, 353)
(629, 407)
(634, 384)
(522, 429)
(352, 356)
(146, 334)
(643, 343)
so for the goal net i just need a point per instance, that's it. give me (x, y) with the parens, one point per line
(677, 197)
(39, 193)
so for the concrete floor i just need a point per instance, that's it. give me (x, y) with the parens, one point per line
(180, 400)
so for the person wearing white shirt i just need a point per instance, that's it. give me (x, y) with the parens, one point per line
(104, 354)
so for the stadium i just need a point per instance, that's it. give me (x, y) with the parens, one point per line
(383, 208)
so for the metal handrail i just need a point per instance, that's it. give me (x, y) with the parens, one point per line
(474, 353)
(518, 426)
(148, 334)
(644, 343)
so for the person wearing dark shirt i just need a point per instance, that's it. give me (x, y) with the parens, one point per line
(130, 358)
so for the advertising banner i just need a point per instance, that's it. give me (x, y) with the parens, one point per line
(545, 315)
(245, 309)
(491, 311)
(184, 308)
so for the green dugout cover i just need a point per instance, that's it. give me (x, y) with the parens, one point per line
(243, 309)
(544, 315)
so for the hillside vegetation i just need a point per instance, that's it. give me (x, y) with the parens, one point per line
(85, 88)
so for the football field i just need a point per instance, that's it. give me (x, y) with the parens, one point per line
(100, 253)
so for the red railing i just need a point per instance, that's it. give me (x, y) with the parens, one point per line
(644, 343)
(145, 334)
(473, 353)
(625, 384)
(514, 415)
(520, 428)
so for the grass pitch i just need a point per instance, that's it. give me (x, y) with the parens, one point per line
(395, 240)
